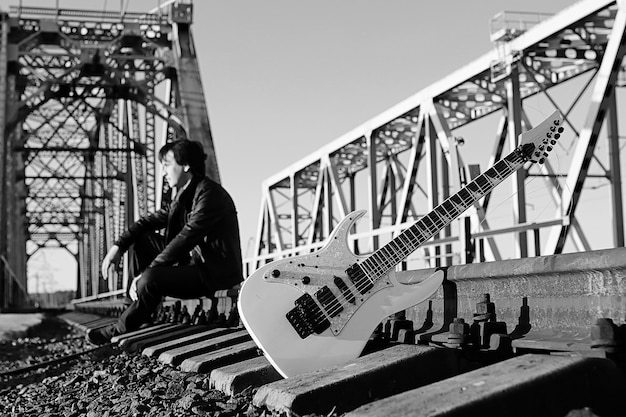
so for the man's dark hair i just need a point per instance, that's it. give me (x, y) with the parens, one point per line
(186, 152)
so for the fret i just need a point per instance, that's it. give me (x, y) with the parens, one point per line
(450, 210)
(415, 231)
(422, 229)
(408, 241)
(457, 200)
(445, 215)
(389, 254)
(427, 222)
(367, 270)
(380, 266)
(395, 247)
(395, 250)
(466, 198)
(381, 258)
(472, 190)
(405, 239)
(423, 232)
(502, 174)
(497, 174)
(492, 181)
(495, 170)
(381, 252)
(482, 181)
(386, 252)
(437, 219)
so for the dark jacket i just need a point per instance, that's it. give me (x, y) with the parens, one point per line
(201, 228)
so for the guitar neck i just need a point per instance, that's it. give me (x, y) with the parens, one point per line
(387, 257)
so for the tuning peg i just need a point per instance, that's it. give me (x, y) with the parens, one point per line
(553, 142)
(556, 136)
(557, 122)
(552, 128)
(549, 135)
(541, 160)
(560, 129)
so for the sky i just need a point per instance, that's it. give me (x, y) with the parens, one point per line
(283, 78)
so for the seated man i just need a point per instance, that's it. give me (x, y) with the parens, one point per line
(199, 252)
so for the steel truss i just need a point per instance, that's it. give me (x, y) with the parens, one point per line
(404, 162)
(87, 99)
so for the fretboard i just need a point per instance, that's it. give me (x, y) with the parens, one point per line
(391, 254)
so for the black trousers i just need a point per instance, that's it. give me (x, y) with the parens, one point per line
(185, 282)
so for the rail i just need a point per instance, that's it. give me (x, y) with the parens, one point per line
(100, 296)
(92, 15)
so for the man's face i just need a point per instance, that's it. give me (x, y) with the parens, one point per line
(174, 173)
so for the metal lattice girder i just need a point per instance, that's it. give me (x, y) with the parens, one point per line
(90, 97)
(402, 163)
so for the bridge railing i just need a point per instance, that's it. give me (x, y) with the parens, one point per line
(469, 245)
(14, 294)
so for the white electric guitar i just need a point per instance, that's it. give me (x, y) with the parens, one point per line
(312, 311)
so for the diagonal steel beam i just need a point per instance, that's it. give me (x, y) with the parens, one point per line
(604, 87)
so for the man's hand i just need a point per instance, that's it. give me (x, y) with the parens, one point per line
(132, 292)
(112, 258)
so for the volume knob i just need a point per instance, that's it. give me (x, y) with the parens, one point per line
(275, 273)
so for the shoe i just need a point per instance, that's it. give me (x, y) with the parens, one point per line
(102, 335)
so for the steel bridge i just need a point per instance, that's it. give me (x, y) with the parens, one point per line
(401, 164)
(87, 98)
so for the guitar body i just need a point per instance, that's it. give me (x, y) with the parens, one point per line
(267, 296)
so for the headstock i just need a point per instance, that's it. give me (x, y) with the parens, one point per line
(536, 144)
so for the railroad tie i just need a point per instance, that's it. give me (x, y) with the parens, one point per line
(344, 387)
(529, 385)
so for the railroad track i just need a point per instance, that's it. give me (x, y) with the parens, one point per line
(533, 337)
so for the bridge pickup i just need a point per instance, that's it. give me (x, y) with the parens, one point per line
(347, 294)
(361, 281)
(328, 300)
(307, 318)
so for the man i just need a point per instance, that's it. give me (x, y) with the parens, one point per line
(199, 252)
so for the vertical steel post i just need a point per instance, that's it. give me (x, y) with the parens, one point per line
(191, 92)
(432, 175)
(515, 129)
(370, 140)
(615, 171)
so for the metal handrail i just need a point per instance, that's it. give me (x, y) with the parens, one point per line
(12, 274)
(100, 16)
(251, 261)
(8, 283)
(98, 296)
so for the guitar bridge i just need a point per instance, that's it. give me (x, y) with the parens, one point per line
(307, 318)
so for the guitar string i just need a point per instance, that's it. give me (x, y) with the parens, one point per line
(492, 209)
(335, 306)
